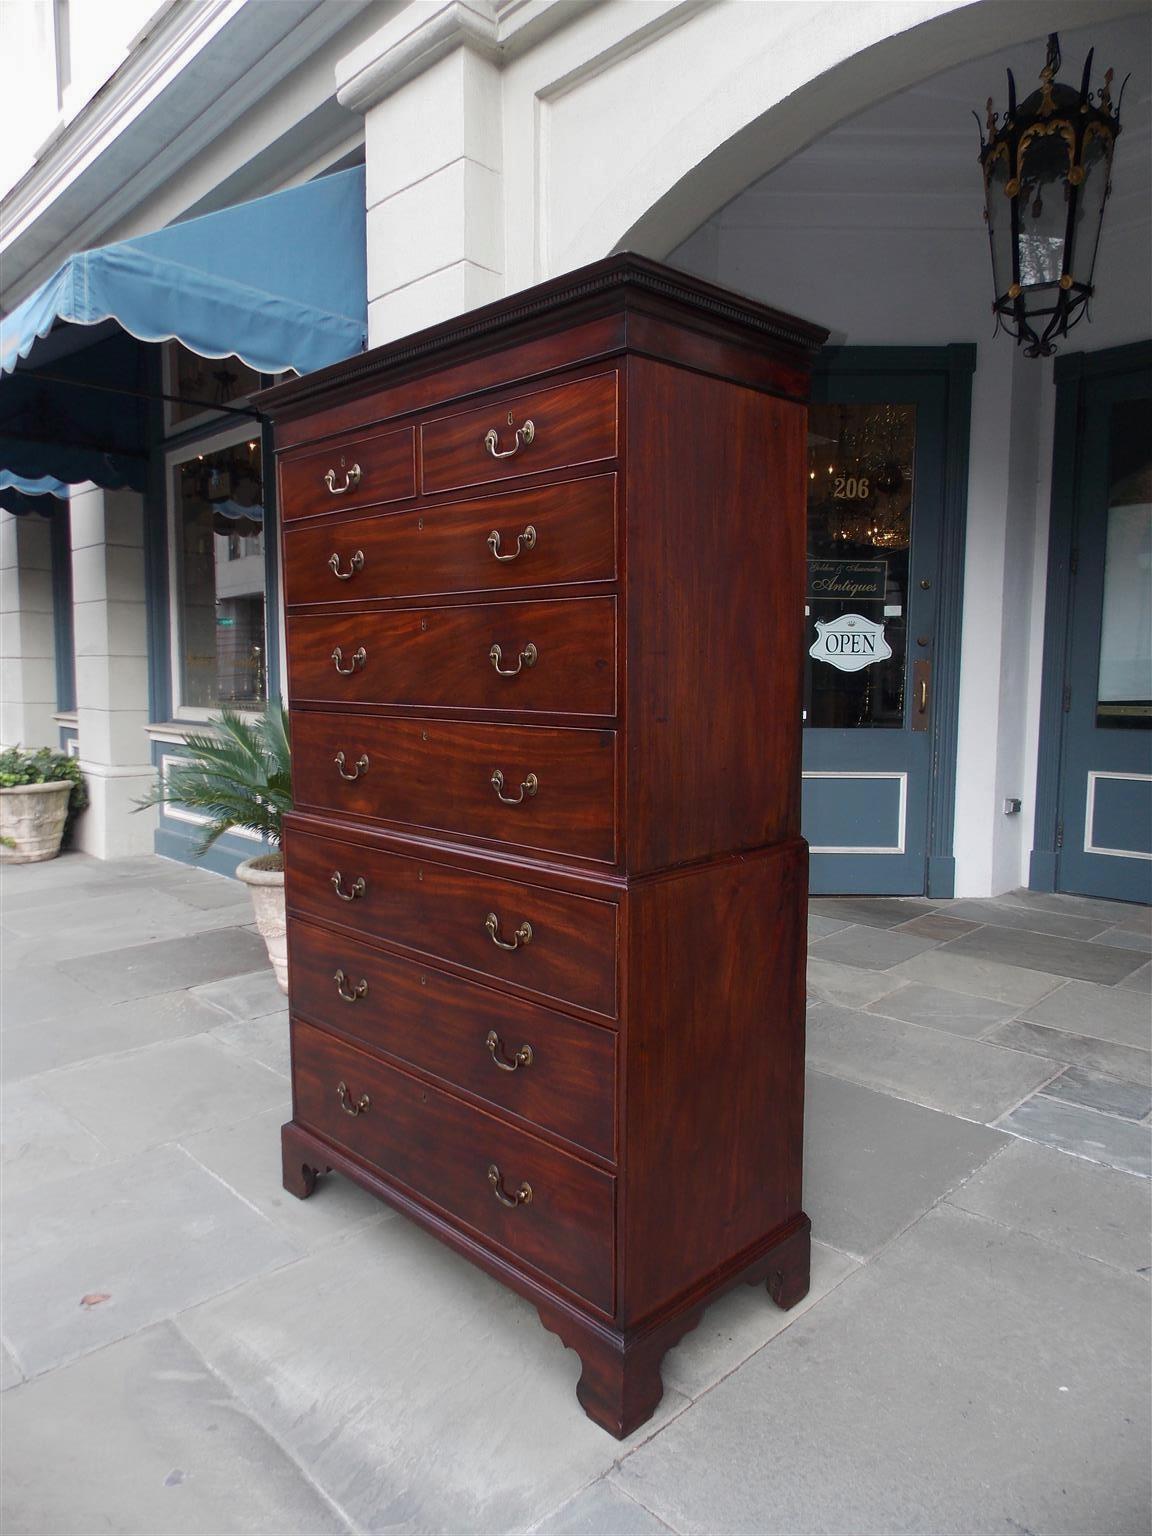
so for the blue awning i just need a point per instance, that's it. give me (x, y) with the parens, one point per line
(279, 282)
(20, 495)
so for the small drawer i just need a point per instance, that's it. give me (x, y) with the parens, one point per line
(555, 428)
(559, 947)
(531, 786)
(555, 533)
(536, 1202)
(545, 1067)
(359, 471)
(558, 657)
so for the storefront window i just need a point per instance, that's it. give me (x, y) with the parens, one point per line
(1124, 690)
(204, 384)
(219, 579)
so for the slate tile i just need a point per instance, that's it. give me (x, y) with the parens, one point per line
(1083, 1132)
(956, 1012)
(1124, 1061)
(1095, 1090)
(962, 1077)
(1105, 1013)
(602, 1510)
(869, 949)
(1122, 913)
(10, 1373)
(1043, 952)
(925, 1396)
(874, 1164)
(1079, 1206)
(264, 1039)
(1125, 938)
(937, 925)
(171, 964)
(871, 911)
(1138, 981)
(166, 1091)
(34, 992)
(249, 996)
(100, 1029)
(820, 927)
(40, 1141)
(982, 978)
(1067, 925)
(153, 1233)
(142, 1437)
(843, 984)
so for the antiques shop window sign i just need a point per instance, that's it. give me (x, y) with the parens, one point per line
(853, 581)
(850, 643)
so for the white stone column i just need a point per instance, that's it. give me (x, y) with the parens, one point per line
(111, 670)
(428, 85)
(27, 640)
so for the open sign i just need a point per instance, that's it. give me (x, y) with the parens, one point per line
(850, 642)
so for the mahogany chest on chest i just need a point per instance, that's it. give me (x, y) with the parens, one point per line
(543, 575)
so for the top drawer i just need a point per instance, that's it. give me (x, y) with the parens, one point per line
(358, 471)
(555, 428)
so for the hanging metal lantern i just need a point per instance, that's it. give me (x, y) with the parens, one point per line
(1046, 178)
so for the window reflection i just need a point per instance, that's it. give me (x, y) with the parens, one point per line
(1124, 691)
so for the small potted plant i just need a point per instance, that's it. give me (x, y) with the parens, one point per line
(41, 792)
(240, 778)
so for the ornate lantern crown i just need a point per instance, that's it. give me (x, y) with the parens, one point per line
(1046, 177)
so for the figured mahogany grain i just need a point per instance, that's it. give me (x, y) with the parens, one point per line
(441, 657)
(445, 548)
(439, 910)
(387, 472)
(439, 1024)
(572, 424)
(441, 1149)
(437, 774)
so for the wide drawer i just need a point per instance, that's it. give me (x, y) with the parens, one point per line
(549, 789)
(554, 533)
(355, 471)
(526, 1060)
(453, 914)
(548, 428)
(549, 1209)
(550, 656)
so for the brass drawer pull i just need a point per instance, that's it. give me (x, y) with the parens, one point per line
(527, 658)
(355, 564)
(521, 1058)
(523, 1195)
(525, 540)
(523, 934)
(361, 766)
(350, 1106)
(358, 887)
(357, 992)
(351, 480)
(359, 657)
(524, 436)
(528, 788)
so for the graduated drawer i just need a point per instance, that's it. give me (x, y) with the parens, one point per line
(570, 424)
(555, 1071)
(357, 471)
(444, 912)
(554, 533)
(559, 1211)
(459, 777)
(561, 656)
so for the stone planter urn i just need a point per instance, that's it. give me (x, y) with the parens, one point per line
(32, 818)
(264, 877)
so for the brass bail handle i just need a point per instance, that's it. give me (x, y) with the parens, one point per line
(352, 1106)
(522, 1196)
(522, 935)
(528, 788)
(525, 540)
(349, 992)
(356, 890)
(523, 439)
(361, 766)
(351, 480)
(355, 564)
(359, 657)
(524, 1057)
(526, 658)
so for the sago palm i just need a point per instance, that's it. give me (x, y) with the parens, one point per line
(238, 777)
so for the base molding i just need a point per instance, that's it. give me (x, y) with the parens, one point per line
(620, 1385)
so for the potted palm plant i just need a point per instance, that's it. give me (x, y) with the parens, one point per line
(41, 793)
(239, 777)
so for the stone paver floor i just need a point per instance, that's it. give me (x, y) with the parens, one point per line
(189, 1349)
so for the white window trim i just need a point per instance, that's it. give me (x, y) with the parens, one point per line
(228, 437)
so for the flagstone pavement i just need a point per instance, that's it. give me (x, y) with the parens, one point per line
(186, 1348)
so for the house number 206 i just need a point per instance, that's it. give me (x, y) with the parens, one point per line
(854, 488)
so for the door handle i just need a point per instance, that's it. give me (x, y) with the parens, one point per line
(921, 694)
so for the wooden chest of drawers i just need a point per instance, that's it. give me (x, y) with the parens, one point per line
(546, 889)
